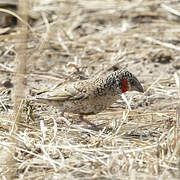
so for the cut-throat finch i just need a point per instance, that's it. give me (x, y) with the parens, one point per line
(87, 97)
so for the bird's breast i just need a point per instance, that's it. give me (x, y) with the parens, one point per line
(90, 105)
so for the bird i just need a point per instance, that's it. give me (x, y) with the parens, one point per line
(91, 96)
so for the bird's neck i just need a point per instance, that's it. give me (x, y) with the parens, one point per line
(115, 85)
(124, 86)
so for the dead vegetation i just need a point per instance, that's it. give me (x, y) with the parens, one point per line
(97, 36)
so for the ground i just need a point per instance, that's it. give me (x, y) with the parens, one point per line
(96, 36)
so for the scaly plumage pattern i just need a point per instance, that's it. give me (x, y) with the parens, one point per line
(93, 95)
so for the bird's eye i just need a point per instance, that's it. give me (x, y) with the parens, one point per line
(132, 82)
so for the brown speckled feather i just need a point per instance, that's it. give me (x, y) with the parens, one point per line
(93, 95)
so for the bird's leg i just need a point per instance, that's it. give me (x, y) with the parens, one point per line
(95, 127)
(64, 119)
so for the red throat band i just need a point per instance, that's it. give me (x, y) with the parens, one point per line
(124, 86)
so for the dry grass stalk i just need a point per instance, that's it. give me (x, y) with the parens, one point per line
(7, 161)
(177, 79)
(21, 46)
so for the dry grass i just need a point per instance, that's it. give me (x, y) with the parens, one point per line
(98, 36)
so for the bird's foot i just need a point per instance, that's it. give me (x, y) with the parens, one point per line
(93, 126)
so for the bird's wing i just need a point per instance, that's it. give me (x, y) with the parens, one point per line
(67, 91)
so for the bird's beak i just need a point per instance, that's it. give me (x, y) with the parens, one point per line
(140, 88)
